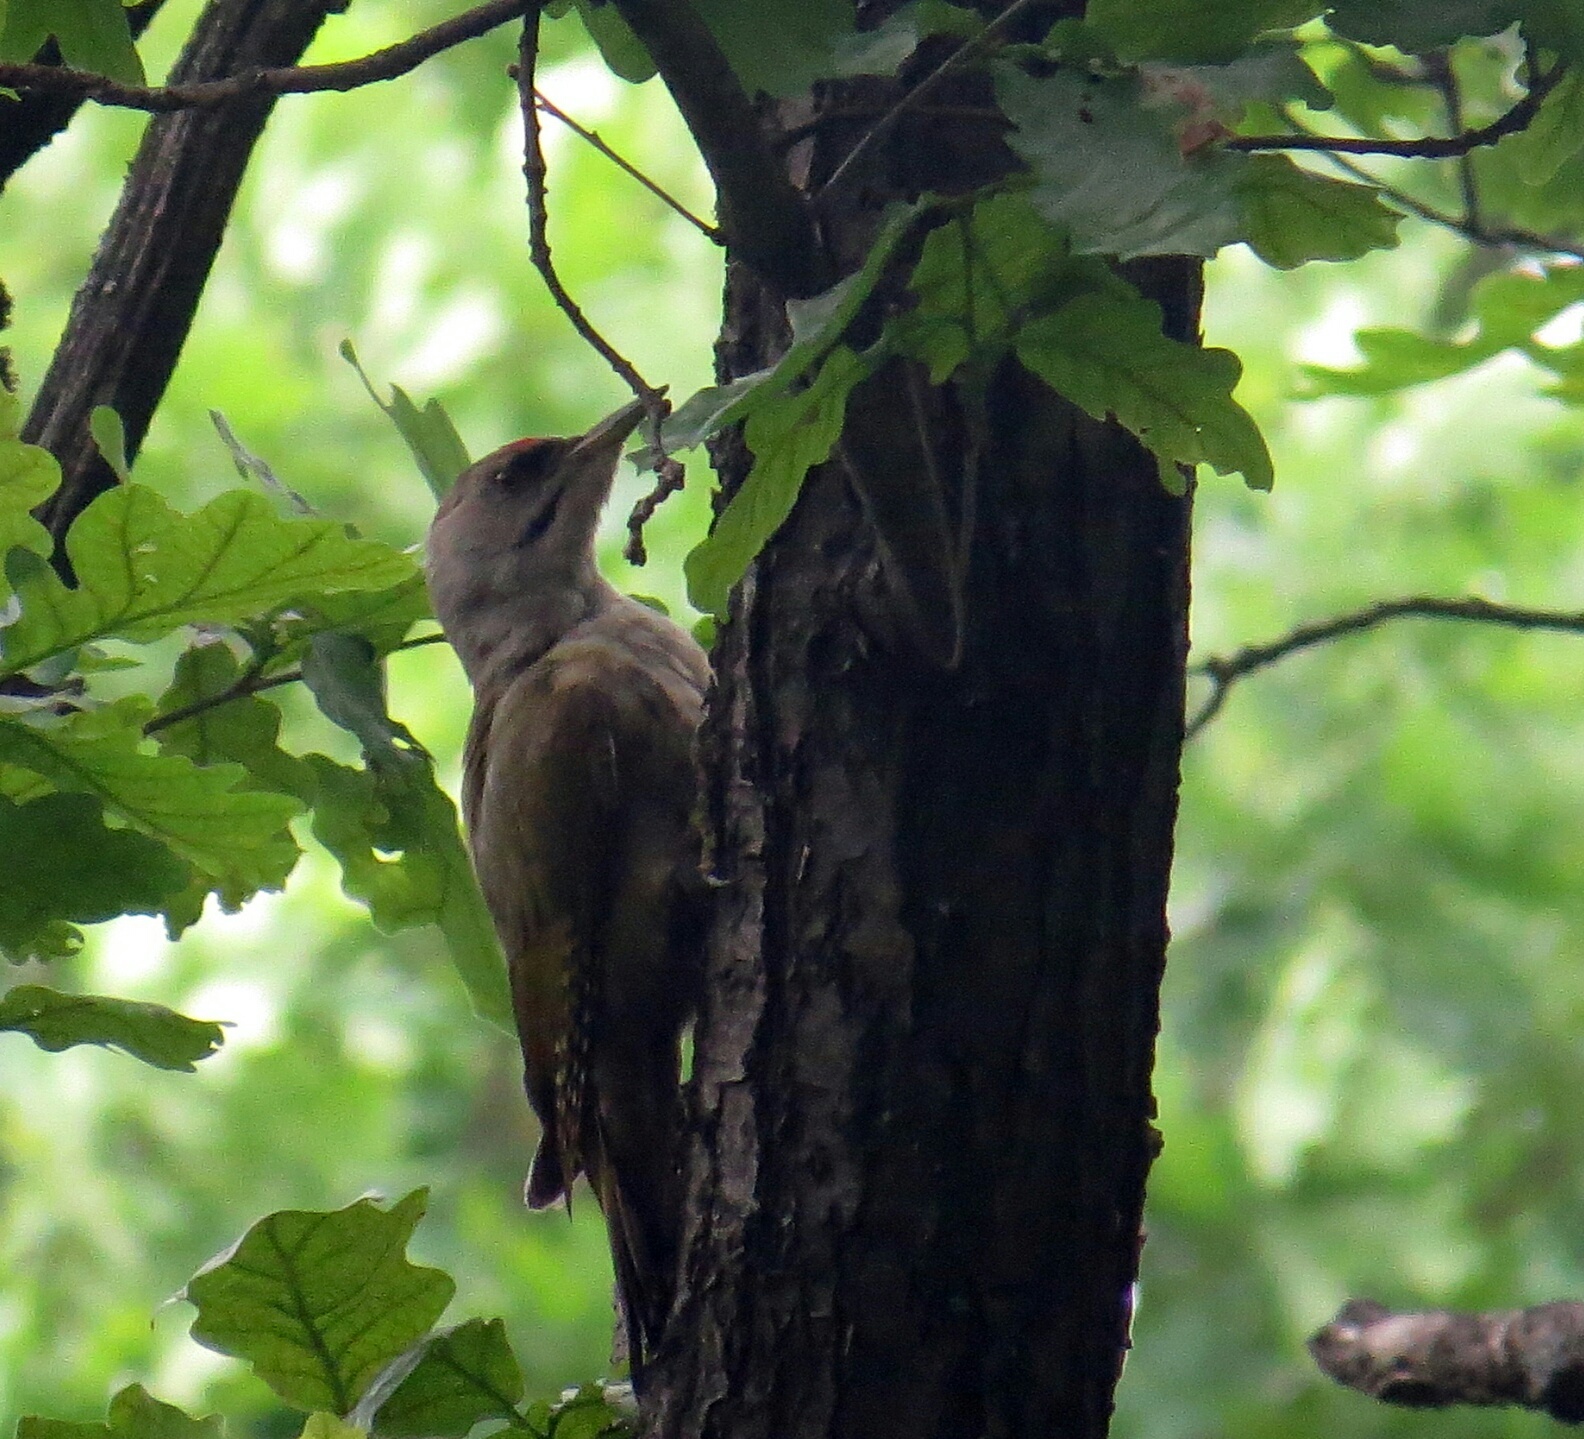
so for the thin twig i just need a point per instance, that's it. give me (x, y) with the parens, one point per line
(384, 64)
(1444, 78)
(1224, 671)
(1429, 147)
(948, 67)
(710, 232)
(1494, 236)
(670, 477)
(252, 681)
(534, 172)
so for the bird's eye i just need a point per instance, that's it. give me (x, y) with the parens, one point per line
(532, 462)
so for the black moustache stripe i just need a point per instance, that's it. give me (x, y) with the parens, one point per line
(535, 529)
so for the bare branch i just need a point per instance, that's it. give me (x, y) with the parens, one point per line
(710, 232)
(1475, 228)
(1430, 147)
(386, 64)
(1225, 671)
(253, 681)
(1530, 1357)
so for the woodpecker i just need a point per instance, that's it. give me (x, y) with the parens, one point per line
(578, 794)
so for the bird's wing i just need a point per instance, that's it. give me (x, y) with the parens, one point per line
(544, 805)
(552, 833)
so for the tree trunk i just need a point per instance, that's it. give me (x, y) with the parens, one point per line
(922, 1080)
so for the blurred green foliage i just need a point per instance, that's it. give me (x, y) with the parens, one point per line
(354, 1063)
(1370, 1047)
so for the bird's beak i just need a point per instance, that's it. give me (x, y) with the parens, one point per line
(611, 431)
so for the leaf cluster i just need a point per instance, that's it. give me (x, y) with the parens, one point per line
(151, 803)
(326, 1308)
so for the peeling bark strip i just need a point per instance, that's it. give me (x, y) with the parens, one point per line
(1530, 1357)
(922, 1074)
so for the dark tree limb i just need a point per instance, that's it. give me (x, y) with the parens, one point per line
(1429, 147)
(131, 315)
(253, 80)
(1529, 1357)
(29, 124)
(767, 223)
(1224, 671)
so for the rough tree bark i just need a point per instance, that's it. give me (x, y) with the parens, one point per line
(923, 1067)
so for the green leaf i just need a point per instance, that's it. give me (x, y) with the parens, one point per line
(1291, 216)
(1109, 356)
(621, 50)
(243, 730)
(93, 35)
(326, 1426)
(1395, 360)
(428, 433)
(109, 434)
(396, 835)
(978, 275)
(1191, 29)
(817, 324)
(881, 51)
(1111, 170)
(788, 435)
(1508, 308)
(1416, 26)
(779, 46)
(457, 1378)
(1556, 134)
(382, 617)
(145, 569)
(29, 475)
(1272, 73)
(707, 412)
(347, 681)
(237, 839)
(588, 1414)
(394, 830)
(64, 867)
(134, 1414)
(318, 1303)
(150, 1032)
(1362, 95)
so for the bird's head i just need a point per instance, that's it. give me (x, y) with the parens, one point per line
(510, 558)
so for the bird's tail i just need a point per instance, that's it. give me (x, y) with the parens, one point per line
(640, 1223)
